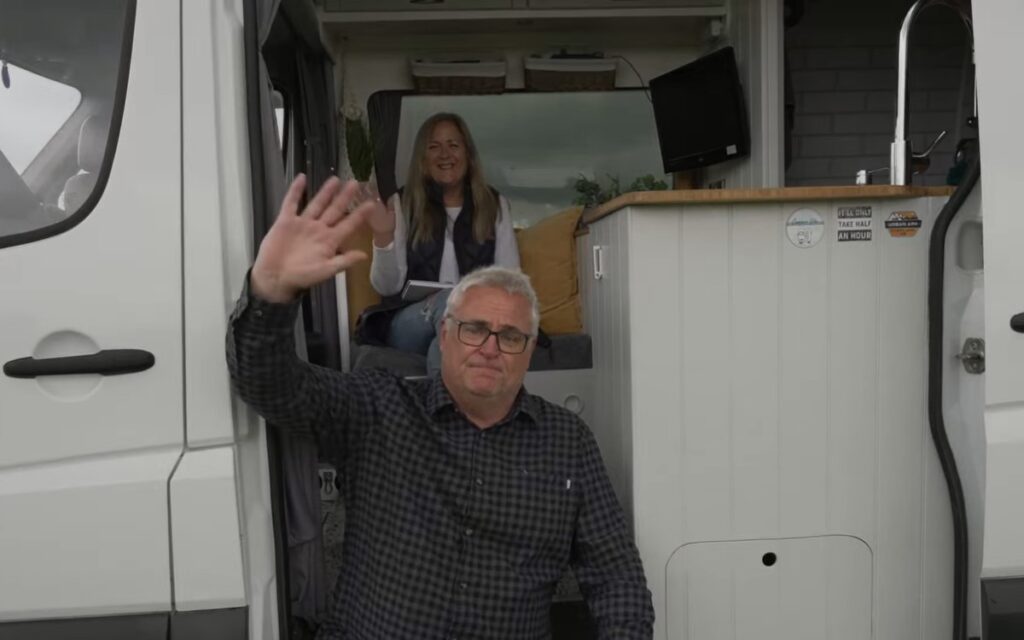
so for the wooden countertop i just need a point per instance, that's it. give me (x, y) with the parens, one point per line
(785, 194)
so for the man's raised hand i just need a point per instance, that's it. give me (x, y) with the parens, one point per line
(303, 247)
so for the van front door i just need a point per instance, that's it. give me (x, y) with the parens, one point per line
(91, 395)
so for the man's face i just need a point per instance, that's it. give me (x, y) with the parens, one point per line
(485, 371)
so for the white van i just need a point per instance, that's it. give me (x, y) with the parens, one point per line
(816, 433)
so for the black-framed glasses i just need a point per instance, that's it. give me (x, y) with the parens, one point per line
(475, 334)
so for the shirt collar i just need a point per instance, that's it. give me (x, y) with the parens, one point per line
(439, 398)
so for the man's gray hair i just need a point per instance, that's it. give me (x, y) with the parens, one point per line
(512, 281)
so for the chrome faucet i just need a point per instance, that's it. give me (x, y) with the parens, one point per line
(902, 160)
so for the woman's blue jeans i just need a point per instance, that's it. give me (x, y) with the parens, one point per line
(417, 328)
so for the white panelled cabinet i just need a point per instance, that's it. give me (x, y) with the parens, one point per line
(759, 389)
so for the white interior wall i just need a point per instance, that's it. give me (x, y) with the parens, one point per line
(754, 29)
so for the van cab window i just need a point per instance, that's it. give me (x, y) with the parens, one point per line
(61, 66)
(39, 106)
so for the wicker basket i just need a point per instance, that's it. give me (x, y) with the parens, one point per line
(461, 74)
(569, 74)
(459, 84)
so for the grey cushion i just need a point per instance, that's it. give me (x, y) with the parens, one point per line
(572, 351)
(406, 363)
(566, 352)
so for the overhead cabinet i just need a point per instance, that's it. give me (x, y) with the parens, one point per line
(621, 4)
(413, 5)
(344, 6)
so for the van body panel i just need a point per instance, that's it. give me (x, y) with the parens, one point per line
(217, 208)
(205, 532)
(86, 538)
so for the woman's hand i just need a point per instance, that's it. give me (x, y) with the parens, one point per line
(304, 248)
(382, 222)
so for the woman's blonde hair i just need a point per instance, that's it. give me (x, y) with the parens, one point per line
(421, 221)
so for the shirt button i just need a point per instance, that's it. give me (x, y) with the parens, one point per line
(468, 532)
(463, 585)
(479, 482)
(258, 313)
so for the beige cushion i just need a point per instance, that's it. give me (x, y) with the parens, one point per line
(359, 293)
(547, 253)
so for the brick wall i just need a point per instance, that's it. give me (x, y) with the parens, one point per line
(842, 65)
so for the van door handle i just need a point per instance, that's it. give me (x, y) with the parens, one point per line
(1017, 323)
(109, 362)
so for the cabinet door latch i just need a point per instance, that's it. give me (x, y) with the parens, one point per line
(598, 262)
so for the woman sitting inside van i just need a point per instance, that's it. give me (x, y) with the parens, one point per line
(446, 222)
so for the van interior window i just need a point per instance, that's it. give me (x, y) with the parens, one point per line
(535, 147)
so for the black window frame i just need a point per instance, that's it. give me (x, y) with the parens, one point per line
(113, 136)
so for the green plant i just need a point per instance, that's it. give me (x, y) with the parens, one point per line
(358, 145)
(591, 193)
(648, 183)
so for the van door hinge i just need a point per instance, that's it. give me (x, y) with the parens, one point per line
(973, 355)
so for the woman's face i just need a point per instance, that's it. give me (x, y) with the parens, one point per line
(446, 155)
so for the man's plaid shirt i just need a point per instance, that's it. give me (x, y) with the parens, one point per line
(451, 531)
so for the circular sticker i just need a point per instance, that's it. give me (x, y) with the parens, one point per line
(805, 228)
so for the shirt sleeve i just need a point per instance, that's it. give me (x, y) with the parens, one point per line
(289, 393)
(604, 557)
(506, 251)
(388, 267)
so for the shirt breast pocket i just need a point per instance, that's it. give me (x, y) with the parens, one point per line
(541, 510)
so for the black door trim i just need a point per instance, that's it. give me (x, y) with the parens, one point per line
(211, 624)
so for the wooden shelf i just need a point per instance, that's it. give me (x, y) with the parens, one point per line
(785, 194)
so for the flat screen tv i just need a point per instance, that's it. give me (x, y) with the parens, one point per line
(700, 112)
